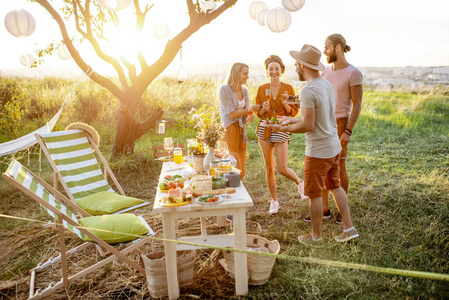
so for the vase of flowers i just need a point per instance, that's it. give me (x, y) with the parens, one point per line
(210, 130)
(198, 155)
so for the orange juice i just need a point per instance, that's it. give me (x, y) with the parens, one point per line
(177, 156)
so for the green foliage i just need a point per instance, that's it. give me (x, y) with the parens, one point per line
(208, 124)
(11, 109)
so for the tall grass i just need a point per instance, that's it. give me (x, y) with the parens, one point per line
(399, 195)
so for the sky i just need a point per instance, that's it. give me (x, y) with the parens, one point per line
(381, 33)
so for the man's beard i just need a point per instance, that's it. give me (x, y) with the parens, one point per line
(332, 58)
(301, 76)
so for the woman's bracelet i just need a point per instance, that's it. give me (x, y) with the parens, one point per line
(348, 131)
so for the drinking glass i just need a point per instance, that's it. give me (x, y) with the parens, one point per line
(191, 144)
(268, 94)
(177, 155)
(168, 146)
(222, 149)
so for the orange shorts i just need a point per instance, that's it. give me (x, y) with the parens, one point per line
(320, 173)
(234, 138)
(341, 126)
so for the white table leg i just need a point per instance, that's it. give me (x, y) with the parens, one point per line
(241, 269)
(168, 223)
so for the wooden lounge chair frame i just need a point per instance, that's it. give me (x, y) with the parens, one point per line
(61, 218)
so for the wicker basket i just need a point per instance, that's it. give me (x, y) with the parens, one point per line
(197, 161)
(259, 267)
(157, 273)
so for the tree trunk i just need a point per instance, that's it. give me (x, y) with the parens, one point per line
(128, 130)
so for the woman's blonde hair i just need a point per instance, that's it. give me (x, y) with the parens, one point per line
(338, 39)
(233, 78)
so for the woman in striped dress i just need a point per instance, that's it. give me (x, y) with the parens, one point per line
(275, 141)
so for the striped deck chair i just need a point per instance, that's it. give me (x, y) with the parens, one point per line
(73, 156)
(57, 205)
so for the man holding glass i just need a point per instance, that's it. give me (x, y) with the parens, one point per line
(321, 164)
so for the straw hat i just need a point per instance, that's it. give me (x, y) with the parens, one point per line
(309, 56)
(87, 128)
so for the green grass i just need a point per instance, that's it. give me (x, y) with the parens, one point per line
(399, 198)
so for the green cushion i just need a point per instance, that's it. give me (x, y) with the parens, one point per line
(116, 227)
(106, 202)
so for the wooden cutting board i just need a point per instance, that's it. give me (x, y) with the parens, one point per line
(198, 193)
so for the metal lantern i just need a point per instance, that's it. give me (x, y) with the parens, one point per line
(182, 75)
(27, 60)
(161, 31)
(160, 126)
(278, 20)
(20, 23)
(64, 53)
(262, 17)
(293, 5)
(114, 5)
(208, 6)
(256, 7)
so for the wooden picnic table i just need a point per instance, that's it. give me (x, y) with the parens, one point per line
(228, 206)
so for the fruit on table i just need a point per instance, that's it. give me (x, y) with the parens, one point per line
(171, 185)
(179, 182)
(175, 195)
(163, 184)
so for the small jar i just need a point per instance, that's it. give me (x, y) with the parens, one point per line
(226, 165)
(214, 164)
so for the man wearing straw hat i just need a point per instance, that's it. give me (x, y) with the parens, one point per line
(321, 164)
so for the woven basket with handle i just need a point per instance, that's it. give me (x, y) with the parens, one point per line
(259, 267)
(157, 274)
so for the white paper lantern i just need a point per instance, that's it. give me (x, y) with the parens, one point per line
(278, 20)
(27, 60)
(114, 5)
(256, 7)
(20, 23)
(161, 31)
(293, 5)
(207, 6)
(262, 17)
(64, 53)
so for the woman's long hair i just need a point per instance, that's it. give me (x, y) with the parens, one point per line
(233, 78)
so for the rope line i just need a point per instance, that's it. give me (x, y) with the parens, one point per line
(311, 260)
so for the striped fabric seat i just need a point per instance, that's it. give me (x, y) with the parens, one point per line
(71, 152)
(73, 155)
(19, 173)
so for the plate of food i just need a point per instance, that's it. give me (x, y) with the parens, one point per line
(209, 199)
(172, 201)
(165, 158)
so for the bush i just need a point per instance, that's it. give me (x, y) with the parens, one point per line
(11, 110)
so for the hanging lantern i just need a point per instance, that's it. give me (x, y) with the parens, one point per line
(160, 126)
(182, 75)
(20, 23)
(256, 7)
(27, 60)
(114, 5)
(278, 20)
(293, 5)
(161, 31)
(208, 6)
(262, 17)
(64, 53)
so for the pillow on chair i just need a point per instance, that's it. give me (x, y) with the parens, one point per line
(116, 227)
(104, 203)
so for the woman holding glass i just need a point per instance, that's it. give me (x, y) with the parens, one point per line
(270, 102)
(235, 113)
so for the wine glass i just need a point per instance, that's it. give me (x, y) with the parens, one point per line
(168, 146)
(268, 94)
(222, 149)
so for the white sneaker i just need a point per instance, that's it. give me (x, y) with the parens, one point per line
(301, 189)
(274, 207)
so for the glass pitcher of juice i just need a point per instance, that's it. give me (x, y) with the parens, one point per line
(177, 155)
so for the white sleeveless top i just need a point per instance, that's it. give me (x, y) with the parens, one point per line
(241, 104)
